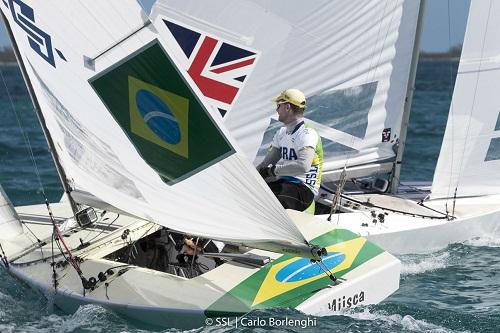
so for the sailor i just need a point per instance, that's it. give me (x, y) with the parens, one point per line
(295, 180)
(191, 247)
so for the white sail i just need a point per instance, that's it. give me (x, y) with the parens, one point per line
(469, 161)
(10, 224)
(350, 57)
(104, 82)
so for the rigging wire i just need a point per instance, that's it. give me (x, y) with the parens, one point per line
(338, 192)
(326, 270)
(24, 134)
(452, 118)
(4, 257)
(472, 108)
(132, 244)
(29, 229)
(421, 203)
(56, 232)
(38, 241)
(398, 211)
(414, 188)
(102, 229)
(31, 154)
(53, 263)
(364, 203)
(384, 15)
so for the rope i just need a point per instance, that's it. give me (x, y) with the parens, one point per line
(454, 201)
(338, 192)
(53, 263)
(4, 257)
(325, 270)
(399, 211)
(57, 235)
(393, 210)
(102, 229)
(24, 135)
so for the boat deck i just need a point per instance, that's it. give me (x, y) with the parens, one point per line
(106, 231)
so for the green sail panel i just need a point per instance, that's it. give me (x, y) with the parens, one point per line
(161, 115)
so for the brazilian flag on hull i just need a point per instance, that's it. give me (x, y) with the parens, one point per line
(161, 115)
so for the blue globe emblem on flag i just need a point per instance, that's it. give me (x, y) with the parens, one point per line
(158, 117)
(303, 269)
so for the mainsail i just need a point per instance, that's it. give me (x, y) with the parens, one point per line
(469, 161)
(350, 57)
(128, 125)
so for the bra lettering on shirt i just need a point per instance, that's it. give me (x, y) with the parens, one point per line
(288, 153)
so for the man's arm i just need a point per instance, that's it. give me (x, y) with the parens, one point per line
(272, 157)
(299, 166)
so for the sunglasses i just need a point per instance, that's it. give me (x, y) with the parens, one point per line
(278, 104)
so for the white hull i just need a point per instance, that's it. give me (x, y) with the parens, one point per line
(69, 301)
(404, 233)
(431, 238)
(163, 316)
(166, 300)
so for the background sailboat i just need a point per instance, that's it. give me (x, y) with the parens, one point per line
(463, 201)
(356, 63)
(351, 58)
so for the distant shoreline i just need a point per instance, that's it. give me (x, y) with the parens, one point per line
(438, 58)
(421, 58)
(7, 56)
(453, 54)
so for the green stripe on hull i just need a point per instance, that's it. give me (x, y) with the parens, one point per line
(287, 281)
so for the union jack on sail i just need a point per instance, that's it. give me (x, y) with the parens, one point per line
(218, 68)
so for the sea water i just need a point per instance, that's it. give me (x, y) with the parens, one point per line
(452, 290)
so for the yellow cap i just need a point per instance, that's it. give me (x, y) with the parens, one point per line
(292, 96)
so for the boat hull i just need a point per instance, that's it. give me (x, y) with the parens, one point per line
(364, 273)
(407, 233)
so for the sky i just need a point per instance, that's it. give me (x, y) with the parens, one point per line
(442, 28)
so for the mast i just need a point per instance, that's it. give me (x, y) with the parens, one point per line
(409, 97)
(41, 119)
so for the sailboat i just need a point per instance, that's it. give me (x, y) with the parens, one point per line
(462, 203)
(356, 62)
(147, 165)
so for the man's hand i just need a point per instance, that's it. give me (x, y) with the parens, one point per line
(190, 247)
(267, 172)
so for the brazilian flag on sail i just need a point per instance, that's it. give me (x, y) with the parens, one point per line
(161, 115)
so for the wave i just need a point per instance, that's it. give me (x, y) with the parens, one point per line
(483, 242)
(417, 264)
(88, 318)
(397, 322)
